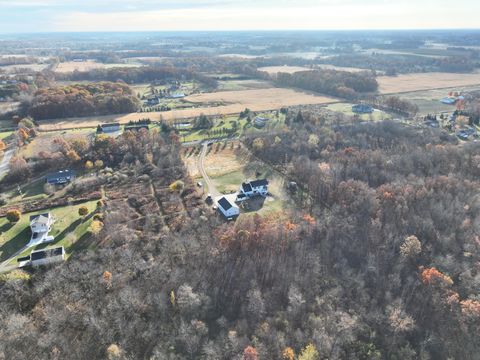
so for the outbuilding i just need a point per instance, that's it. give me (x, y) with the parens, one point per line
(60, 177)
(228, 209)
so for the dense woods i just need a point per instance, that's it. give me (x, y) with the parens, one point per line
(378, 262)
(145, 74)
(336, 83)
(82, 100)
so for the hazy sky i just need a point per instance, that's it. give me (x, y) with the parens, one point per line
(144, 15)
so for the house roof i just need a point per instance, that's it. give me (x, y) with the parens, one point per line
(246, 187)
(224, 203)
(40, 218)
(42, 254)
(60, 174)
(259, 182)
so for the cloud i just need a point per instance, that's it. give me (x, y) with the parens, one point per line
(152, 15)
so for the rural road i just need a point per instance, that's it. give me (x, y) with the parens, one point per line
(5, 164)
(201, 168)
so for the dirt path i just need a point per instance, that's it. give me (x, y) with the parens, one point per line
(201, 168)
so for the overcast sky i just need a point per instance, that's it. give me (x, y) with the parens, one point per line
(146, 15)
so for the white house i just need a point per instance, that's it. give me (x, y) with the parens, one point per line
(41, 225)
(253, 188)
(48, 256)
(227, 208)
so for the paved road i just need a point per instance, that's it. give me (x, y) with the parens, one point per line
(201, 168)
(5, 164)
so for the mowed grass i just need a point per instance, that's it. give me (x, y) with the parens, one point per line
(346, 108)
(5, 134)
(70, 230)
(32, 191)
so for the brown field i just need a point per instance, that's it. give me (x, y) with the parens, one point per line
(283, 69)
(219, 163)
(425, 81)
(233, 102)
(70, 66)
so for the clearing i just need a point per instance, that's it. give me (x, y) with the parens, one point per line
(425, 81)
(283, 69)
(227, 103)
(70, 66)
(69, 230)
(346, 108)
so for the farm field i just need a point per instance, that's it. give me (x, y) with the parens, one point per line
(68, 230)
(428, 101)
(284, 69)
(237, 85)
(425, 81)
(233, 103)
(346, 108)
(70, 66)
(44, 141)
(12, 69)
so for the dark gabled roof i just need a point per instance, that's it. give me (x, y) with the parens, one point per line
(246, 187)
(259, 182)
(224, 203)
(60, 174)
(42, 254)
(33, 217)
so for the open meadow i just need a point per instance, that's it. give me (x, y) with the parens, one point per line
(210, 104)
(425, 81)
(70, 66)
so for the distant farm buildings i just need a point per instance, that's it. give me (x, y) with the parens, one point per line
(260, 122)
(362, 109)
(108, 128)
(60, 177)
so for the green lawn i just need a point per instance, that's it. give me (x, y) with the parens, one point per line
(5, 134)
(69, 230)
(346, 108)
(229, 182)
(31, 191)
(243, 127)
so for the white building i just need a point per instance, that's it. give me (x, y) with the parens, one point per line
(227, 208)
(48, 256)
(41, 225)
(253, 188)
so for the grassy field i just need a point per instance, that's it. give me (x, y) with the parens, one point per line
(69, 230)
(44, 141)
(238, 85)
(70, 66)
(428, 101)
(5, 134)
(283, 69)
(425, 81)
(234, 102)
(346, 108)
(34, 190)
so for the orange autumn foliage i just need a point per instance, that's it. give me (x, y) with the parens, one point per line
(288, 354)
(432, 276)
(471, 309)
(309, 219)
(250, 353)
(289, 226)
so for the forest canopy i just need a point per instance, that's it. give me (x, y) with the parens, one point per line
(82, 100)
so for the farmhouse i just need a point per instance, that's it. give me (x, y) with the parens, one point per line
(40, 225)
(253, 188)
(260, 122)
(136, 127)
(362, 109)
(60, 177)
(108, 128)
(228, 209)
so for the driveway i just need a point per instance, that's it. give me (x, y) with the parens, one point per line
(201, 168)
